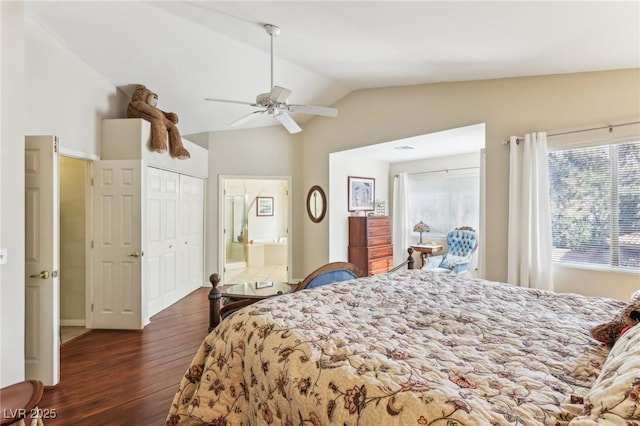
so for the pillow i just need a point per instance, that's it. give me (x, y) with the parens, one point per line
(614, 398)
(433, 262)
(450, 261)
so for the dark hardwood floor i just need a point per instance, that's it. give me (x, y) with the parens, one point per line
(113, 377)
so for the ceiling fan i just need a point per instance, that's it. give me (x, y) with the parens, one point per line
(275, 102)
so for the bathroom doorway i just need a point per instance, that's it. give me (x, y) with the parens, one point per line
(255, 224)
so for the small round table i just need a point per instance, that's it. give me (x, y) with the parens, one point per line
(426, 250)
(255, 290)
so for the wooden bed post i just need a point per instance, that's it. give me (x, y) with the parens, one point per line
(215, 298)
(410, 260)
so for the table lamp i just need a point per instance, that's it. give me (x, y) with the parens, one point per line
(421, 227)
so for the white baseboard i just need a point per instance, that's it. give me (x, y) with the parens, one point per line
(72, 322)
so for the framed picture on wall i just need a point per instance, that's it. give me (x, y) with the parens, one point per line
(264, 206)
(362, 194)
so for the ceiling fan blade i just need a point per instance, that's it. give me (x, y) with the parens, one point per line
(246, 118)
(286, 120)
(232, 102)
(315, 110)
(279, 94)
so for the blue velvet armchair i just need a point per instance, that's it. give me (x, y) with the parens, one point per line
(462, 243)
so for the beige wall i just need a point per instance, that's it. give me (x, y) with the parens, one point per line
(511, 106)
(269, 151)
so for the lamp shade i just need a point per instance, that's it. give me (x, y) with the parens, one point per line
(421, 227)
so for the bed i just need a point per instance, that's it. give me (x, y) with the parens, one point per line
(414, 347)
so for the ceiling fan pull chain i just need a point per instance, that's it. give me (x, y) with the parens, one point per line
(273, 31)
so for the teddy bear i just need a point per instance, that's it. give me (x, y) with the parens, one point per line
(143, 105)
(629, 316)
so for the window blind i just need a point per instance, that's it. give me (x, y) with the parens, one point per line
(595, 205)
(445, 201)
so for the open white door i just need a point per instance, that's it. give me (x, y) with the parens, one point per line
(42, 226)
(117, 241)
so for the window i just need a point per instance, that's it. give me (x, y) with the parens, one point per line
(595, 205)
(445, 200)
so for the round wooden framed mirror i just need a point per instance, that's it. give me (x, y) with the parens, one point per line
(316, 204)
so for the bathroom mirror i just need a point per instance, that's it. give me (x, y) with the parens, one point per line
(316, 204)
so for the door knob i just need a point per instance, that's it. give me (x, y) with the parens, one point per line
(43, 274)
(135, 254)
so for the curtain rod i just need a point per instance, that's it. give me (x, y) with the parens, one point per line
(610, 127)
(439, 171)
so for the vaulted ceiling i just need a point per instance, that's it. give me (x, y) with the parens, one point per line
(188, 50)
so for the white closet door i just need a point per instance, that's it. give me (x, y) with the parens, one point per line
(191, 233)
(153, 255)
(197, 234)
(171, 188)
(162, 233)
(116, 229)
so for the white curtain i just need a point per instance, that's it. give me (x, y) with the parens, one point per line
(400, 218)
(530, 244)
(482, 240)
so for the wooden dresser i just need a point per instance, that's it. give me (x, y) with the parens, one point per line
(370, 247)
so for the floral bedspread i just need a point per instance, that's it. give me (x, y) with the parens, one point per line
(406, 348)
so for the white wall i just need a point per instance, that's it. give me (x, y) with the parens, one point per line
(43, 90)
(512, 106)
(450, 162)
(268, 228)
(12, 281)
(341, 166)
(65, 96)
(263, 228)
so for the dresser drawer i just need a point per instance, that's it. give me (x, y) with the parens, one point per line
(379, 252)
(370, 243)
(380, 264)
(379, 271)
(375, 231)
(379, 241)
(375, 222)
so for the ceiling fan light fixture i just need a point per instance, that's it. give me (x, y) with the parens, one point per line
(275, 103)
(272, 30)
